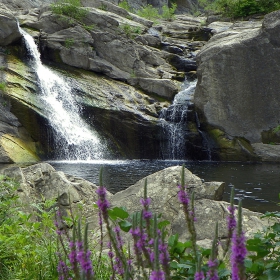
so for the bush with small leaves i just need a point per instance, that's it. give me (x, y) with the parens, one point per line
(148, 12)
(169, 13)
(69, 8)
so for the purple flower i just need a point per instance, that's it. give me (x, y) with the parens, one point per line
(163, 254)
(119, 239)
(145, 202)
(101, 191)
(102, 203)
(147, 214)
(212, 274)
(183, 196)
(199, 276)
(157, 275)
(238, 255)
(231, 219)
(135, 232)
(72, 254)
(62, 269)
(152, 256)
(118, 266)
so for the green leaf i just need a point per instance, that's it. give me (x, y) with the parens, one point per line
(173, 240)
(224, 272)
(125, 226)
(117, 212)
(248, 263)
(174, 265)
(272, 274)
(184, 265)
(163, 224)
(276, 227)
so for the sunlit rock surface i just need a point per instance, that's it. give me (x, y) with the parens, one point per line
(238, 70)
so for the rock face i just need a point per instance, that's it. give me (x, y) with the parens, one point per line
(8, 27)
(119, 44)
(238, 70)
(41, 181)
(150, 61)
(16, 144)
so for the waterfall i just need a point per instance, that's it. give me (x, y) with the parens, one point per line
(74, 139)
(174, 122)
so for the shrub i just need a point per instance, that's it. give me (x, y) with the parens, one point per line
(148, 12)
(124, 5)
(264, 248)
(240, 8)
(69, 8)
(69, 43)
(27, 242)
(130, 31)
(3, 86)
(169, 13)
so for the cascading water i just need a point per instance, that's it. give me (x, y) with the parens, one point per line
(173, 121)
(74, 139)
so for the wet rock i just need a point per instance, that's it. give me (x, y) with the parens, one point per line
(267, 152)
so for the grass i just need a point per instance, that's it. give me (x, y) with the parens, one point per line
(3, 86)
(69, 43)
(69, 8)
(130, 31)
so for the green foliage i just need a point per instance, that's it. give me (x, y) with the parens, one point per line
(88, 27)
(69, 43)
(3, 86)
(240, 8)
(265, 251)
(276, 129)
(169, 13)
(148, 12)
(131, 31)
(27, 242)
(69, 8)
(103, 7)
(124, 5)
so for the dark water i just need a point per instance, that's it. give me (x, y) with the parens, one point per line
(258, 184)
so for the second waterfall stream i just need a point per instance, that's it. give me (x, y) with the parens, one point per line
(74, 139)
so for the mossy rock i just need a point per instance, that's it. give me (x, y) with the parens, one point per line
(18, 150)
(232, 148)
(271, 136)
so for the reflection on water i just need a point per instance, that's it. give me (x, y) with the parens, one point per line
(258, 184)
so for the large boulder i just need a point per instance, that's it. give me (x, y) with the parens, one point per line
(24, 5)
(42, 182)
(238, 70)
(209, 209)
(8, 26)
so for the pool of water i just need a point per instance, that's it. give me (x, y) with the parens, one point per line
(258, 184)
